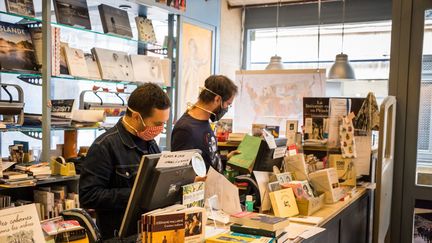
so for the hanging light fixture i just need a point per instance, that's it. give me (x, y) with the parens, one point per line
(341, 69)
(276, 61)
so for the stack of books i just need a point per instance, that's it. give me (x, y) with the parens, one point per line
(39, 170)
(16, 178)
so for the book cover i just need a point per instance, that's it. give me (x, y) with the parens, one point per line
(257, 129)
(345, 169)
(21, 7)
(274, 130)
(64, 69)
(72, 12)
(195, 223)
(92, 66)
(315, 111)
(262, 221)
(291, 131)
(167, 228)
(76, 62)
(283, 203)
(115, 21)
(147, 69)
(145, 30)
(238, 237)
(193, 194)
(114, 65)
(166, 71)
(297, 166)
(62, 108)
(20, 224)
(17, 48)
(301, 189)
(246, 159)
(326, 181)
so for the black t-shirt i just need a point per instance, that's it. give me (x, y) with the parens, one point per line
(190, 133)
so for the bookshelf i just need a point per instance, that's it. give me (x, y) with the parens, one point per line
(41, 87)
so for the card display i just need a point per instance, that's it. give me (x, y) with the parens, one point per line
(145, 30)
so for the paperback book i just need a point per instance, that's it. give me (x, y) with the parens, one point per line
(283, 203)
(114, 65)
(248, 148)
(193, 194)
(72, 12)
(145, 30)
(76, 62)
(262, 221)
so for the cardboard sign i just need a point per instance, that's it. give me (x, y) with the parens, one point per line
(174, 159)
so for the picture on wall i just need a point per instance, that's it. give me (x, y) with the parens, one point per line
(272, 97)
(197, 62)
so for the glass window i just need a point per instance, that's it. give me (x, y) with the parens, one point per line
(424, 141)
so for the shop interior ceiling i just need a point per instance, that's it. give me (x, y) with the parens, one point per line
(267, 3)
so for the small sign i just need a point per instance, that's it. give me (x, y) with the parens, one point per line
(20, 224)
(292, 150)
(175, 159)
(279, 152)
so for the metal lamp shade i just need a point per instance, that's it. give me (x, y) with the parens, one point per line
(341, 69)
(275, 63)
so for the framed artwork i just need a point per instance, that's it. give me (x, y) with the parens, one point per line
(196, 61)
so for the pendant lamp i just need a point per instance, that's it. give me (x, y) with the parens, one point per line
(276, 61)
(341, 69)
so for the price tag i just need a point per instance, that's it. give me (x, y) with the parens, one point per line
(279, 152)
(269, 139)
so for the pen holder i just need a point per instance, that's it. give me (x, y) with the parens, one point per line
(59, 166)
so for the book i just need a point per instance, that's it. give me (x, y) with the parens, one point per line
(14, 175)
(169, 228)
(166, 71)
(195, 224)
(36, 36)
(193, 194)
(76, 62)
(262, 221)
(21, 7)
(18, 52)
(92, 66)
(147, 69)
(62, 108)
(283, 203)
(291, 131)
(257, 129)
(345, 169)
(301, 189)
(274, 130)
(64, 69)
(326, 181)
(72, 12)
(238, 237)
(315, 114)
(114, 65)
(145, 30)
(238, 228)
(115, 21)
(297, 166)
(245, 161)
(20, 224)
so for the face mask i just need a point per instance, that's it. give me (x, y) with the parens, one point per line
(220, 112)
(149, 133)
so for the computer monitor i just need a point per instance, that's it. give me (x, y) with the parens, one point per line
(153, 188)
(264, 160)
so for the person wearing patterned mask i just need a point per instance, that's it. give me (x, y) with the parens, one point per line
(109, 169)
(193, 131)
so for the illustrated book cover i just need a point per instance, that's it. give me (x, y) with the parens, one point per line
(114, 65)
(283, 203)
(72, 12)
(115, 21)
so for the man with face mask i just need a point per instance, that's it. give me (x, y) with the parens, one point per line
(193, 131)
(109, 169)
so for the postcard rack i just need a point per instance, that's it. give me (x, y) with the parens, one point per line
(12, 110)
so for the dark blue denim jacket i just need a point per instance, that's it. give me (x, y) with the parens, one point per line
(108, 174)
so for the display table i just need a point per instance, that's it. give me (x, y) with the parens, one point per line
(345, 221)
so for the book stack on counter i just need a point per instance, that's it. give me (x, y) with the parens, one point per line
(175, 223)
(254, 227)
(39, 170)
(17, 178)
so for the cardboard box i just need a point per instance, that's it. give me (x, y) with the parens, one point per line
(309, 206)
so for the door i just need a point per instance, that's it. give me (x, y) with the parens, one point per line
(411, 82)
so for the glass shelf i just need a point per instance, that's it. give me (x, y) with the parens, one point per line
(16, 18)
(39, 129)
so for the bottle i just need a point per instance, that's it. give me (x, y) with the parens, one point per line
(249, 203)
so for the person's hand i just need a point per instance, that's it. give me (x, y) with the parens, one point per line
(203, 179)
(232, 153)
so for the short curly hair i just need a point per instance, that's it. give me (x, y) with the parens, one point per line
(146, 97)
